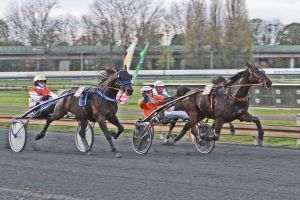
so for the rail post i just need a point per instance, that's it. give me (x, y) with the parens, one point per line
(298, 124)
(298, 119)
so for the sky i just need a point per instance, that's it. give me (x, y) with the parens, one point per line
(287, 11)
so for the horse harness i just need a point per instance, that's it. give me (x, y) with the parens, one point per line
(214, 92)
(86, 92)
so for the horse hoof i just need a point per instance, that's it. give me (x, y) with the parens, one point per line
(259, 142)
(232, 133)
(114, 135)
(118, 155)
(216, 137)
(38, 136)
(168, 142)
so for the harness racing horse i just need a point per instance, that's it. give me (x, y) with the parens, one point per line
(181, 91)
(227, 102)
(101, 105)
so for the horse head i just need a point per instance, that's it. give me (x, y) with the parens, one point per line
(258, 76)
(124, 82)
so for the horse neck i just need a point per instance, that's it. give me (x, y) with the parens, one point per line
(241, 91)
(109, 88)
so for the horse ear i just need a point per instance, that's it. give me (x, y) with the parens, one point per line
(125, 67)
(256, 65)
(249, 65)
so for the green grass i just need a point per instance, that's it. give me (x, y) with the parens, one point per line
(274, 111)
(14, 98)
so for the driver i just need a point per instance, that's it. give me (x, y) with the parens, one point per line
(151, 102)
(39, 93)
(159, 89)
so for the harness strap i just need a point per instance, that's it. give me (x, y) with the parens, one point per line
(212, 95)
(87, 114)
(240, 99)
(84, 98)
(124, 83)
(100, 93)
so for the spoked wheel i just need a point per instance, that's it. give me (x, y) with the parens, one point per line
(17, 136)
(205, 142)
(89, 136)
(142, 137)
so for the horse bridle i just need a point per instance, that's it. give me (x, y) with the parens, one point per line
(121, 84)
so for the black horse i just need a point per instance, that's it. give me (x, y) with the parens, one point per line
(101, 105)
(226, 102)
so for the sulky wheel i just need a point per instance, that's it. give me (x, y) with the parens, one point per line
(17, 136)
(89, 136)
(142, 137)
(204, 140)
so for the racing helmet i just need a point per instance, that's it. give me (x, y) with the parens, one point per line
(159, 83)
(146, 88)
(39, 77)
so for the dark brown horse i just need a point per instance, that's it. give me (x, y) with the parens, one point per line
(227, 102)
(181, 91)
(100, 106)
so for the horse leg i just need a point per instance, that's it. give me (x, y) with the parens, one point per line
(185, 128)
(83, 124)
(115, 121)
(103, 126)
(232, 129)
(218, 124)
(171, 127)
(249, 118)
(50, 119)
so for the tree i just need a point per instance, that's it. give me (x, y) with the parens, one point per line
(215, 25)
(214, 32)
(31, 22)
(290, 35)
(148, 22)
(166, 60)
(237, 46)
(265, 32)
(195, 33)
(119, 22)
(178, 39)
(175, 23)
(3, 31)
(71, 30)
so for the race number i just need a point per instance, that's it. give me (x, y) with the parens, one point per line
(79, 91)
(207, 89)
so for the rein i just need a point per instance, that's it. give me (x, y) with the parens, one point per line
(240, 99)
(243, 85)
(100, 93)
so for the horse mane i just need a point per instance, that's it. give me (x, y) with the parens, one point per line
(234, 78)
(218, 80)
(104, 74)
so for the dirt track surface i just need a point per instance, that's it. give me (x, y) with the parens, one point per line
(56, 170)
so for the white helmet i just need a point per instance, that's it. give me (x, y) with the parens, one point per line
(39, 77)
(159, 83)
(146, 88)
